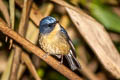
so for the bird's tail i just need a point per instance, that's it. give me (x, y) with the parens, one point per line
(72, 61)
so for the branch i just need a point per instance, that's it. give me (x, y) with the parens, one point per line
(37, 51)
(35, 13)
(28, 62)
(21, 31)
(5, 13)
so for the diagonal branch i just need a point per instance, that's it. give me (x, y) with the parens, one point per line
(37, 51)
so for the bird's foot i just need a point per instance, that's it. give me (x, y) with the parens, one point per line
(61, 62)
(45, 55)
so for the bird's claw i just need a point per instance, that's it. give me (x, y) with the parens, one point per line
(45, 55)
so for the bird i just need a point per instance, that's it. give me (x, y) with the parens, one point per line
(54, 40)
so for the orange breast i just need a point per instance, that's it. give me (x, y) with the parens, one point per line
(54, 44)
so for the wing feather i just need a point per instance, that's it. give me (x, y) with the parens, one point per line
(68, 40)
(71, 56)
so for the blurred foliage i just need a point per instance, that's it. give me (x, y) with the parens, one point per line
(40, 72)
(101, 10)
(106, 16)
(55, 76)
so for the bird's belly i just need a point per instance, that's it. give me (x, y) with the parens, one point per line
(54, 46)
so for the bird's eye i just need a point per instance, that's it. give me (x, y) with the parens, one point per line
(49, 25)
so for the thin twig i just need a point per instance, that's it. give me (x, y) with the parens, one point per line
(12, 18)
(18, 50)
(4, 10)
(15, 64)
(35, 13)
(87, 72)
(21, 70)
(37, 51)
(24, 17)
(32, 35)
(30, 66)
(6, 73)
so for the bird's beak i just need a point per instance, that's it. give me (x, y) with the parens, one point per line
(57, 26)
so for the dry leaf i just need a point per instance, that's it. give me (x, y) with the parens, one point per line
(98, 39)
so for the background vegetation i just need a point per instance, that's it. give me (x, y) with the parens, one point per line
(93, 26)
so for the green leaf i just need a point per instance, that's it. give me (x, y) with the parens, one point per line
(104, 15)
(40, 72)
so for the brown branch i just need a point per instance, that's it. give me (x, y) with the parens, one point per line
(12, 18)
(4, 10)
(21, 70)
(15, 63)
(115, 37)
(24, 17)
(35, 13)
(21, 31)
(87, 72)
(37, 51)
(31, 35)
(62, 21)
(6, 73)
(30, 66)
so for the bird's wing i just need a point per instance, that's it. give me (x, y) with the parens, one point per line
(71, 56)
(69, 40)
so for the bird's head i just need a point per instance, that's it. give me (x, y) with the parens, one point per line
(47, 24)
